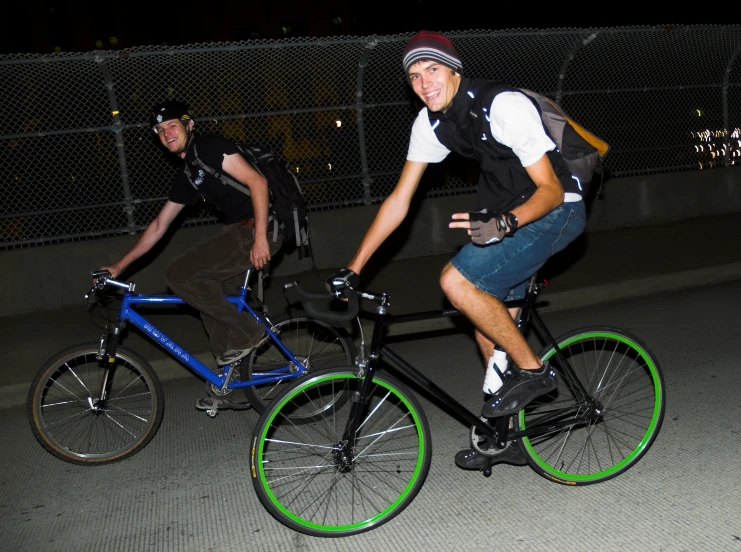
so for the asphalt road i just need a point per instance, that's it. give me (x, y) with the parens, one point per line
(190, 490)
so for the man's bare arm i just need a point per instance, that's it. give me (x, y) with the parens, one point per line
(148, 239)
(391, 214)
(239, 169)
(548, 195)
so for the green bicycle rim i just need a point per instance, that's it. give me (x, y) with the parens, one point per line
(354, 526)
(646, 437)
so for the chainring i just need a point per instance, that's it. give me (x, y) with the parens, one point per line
(480, 443)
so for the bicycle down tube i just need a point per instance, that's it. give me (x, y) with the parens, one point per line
(127, 313)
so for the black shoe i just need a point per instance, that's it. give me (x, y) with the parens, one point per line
(519, 390)
(470, 459)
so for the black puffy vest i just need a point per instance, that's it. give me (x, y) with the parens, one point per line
(465, 129)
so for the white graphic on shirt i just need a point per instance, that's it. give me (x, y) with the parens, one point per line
(199, 179)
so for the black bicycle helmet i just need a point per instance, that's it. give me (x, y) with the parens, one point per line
(169, 109)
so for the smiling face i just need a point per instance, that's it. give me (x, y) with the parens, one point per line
(434, 83)
(174, 135)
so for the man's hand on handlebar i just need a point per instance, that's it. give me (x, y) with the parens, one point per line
(99, 280)
(113, 270)
(341, 281)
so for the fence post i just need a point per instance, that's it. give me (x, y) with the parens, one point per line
(565, 65)
(726, 119)
(117, 132)
(359, 117)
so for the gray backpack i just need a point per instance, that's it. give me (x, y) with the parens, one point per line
(583, 151)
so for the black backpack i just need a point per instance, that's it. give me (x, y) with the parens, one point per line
(287, 204)
(583, 151)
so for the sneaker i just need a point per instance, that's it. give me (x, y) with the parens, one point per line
(233, 355)
(470, 459)
(519, 390)
(223, 403)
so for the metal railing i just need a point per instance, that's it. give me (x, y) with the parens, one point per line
(78, 160)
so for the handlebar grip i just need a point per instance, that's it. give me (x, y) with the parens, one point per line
(309, 299)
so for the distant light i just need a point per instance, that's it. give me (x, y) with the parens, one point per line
(57, 49)
(99, 44)
(699, 113)
(337, 20)
(329, 166)
(338, 123)
(113, 41)
(297, 169)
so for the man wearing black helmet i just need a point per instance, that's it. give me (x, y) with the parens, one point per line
(529, 208)
(200, 275)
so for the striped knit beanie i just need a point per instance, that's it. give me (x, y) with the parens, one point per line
(427, 45)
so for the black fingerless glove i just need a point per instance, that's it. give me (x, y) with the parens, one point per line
(344, 279)
(486, 228)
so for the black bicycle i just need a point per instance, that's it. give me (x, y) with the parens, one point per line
(365, 458)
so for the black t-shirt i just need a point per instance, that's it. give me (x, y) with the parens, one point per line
(234, 204)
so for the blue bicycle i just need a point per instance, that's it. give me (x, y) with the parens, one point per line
(98, 402)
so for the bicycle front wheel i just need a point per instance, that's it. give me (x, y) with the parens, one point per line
(69, 419)
(318, 477)
(315, 344)
(587, 442)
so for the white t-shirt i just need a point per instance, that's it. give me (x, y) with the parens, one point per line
(514, 123)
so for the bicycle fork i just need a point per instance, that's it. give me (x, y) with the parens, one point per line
(344, 450)
(107, 359)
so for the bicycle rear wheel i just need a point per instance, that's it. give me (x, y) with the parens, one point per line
(315, 344)
(309, 478)
(624, 378)
(70, 422)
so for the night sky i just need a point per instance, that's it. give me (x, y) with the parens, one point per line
(151, 23)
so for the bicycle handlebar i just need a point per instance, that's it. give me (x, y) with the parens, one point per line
(309, 299)
(103, 278)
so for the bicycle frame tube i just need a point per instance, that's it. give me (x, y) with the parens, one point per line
(378, 349)
(528, 314)
(540, 327)
(128, 313)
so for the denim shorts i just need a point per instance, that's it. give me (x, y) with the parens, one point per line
(503, 269)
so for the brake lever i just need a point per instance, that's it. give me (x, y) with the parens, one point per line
(102, 277)
(96, 286)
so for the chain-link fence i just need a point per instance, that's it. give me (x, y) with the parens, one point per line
(79, 161)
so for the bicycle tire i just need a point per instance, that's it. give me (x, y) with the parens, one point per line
(301, 476)
(66, 421)
(314, 343)
(624, 376)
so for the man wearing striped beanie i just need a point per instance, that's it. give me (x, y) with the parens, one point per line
(523, 183)
(429, 46)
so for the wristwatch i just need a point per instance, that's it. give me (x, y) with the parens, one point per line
(512, 222)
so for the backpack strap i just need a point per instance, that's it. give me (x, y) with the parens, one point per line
(225, 179)
(221, 176)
